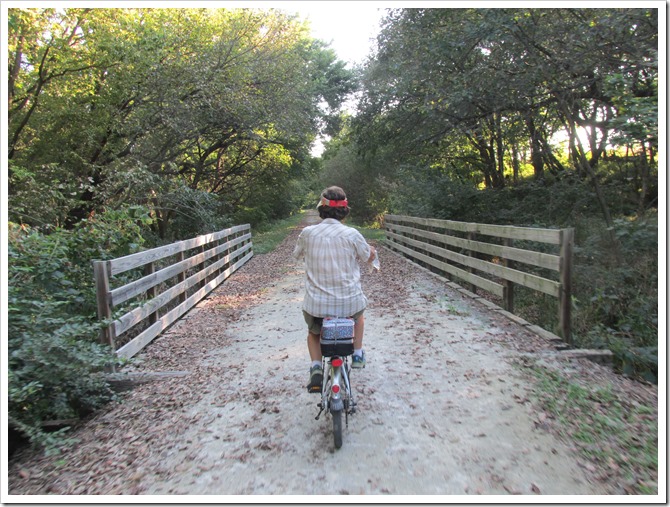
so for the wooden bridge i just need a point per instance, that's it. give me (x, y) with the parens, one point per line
(156, 287)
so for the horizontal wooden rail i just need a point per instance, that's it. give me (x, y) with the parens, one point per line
(464, 250)
(128, 262)
(192, 269)
(539, 259)
(144, 284)
(551, 236)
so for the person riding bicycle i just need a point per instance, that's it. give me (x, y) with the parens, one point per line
(331, 251)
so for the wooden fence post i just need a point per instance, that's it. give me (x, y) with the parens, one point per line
(567, 239)
(101, 272)
(471, 237)
(508, 286)
(202, 266)
(151, 293)
(181, 277)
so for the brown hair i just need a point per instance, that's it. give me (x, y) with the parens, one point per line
(333, 194)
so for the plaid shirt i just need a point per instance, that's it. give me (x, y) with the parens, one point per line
(332, 274)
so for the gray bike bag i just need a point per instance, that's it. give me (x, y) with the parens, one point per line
(337, 337)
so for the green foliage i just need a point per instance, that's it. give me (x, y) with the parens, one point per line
(269, 235)
(430, 193)
(362, 180)
(637, 361)
(187, 213)
(279, 197)
(616, 304)
(53, 330)
(433, 97)
(636, 100)
(119, 106)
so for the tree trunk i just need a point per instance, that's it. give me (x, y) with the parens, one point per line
(644, 179)
(515, 163)
(585, 168)
(500, 155)
(535, 148)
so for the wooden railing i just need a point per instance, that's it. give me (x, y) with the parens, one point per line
(465, 251)
(183, 273)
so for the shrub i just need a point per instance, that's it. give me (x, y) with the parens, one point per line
(189, 213)
(617, 292)
(53, 329)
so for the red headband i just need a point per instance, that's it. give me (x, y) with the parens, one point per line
(333, 204)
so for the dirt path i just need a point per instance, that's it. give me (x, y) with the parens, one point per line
(442, 408)
(439, 411)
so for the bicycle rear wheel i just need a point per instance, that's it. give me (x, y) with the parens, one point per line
(337, 428)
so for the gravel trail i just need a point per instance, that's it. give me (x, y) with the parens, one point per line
(442, 409)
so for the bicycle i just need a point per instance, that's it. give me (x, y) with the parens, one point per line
(337, 345)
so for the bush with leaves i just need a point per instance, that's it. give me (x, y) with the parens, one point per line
(540, 203)
(616, 292)
(186, 213)
(54, 354)
(361, 179)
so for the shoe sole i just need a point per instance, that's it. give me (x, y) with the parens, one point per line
(316, 387)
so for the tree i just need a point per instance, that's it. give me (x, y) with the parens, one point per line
(212, 99)
(491, 78)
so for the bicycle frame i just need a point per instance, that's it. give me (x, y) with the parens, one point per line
(336, 394)
(335, 379)
(337, 344)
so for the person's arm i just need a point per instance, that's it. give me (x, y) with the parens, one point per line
(299, 249)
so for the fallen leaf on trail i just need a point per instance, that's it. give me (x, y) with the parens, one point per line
(511, 490)
(590, 467)
(535, 489)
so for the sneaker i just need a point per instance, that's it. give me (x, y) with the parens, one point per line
(315, 379)
(358, 361)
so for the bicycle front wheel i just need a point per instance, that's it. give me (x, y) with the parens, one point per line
(337, 428)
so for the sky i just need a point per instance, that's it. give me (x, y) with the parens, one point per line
(349, 27)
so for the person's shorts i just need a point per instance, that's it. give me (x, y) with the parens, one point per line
(314, 323)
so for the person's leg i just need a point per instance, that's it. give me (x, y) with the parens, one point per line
(359, 329)
(358, 361)
(314, 346)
